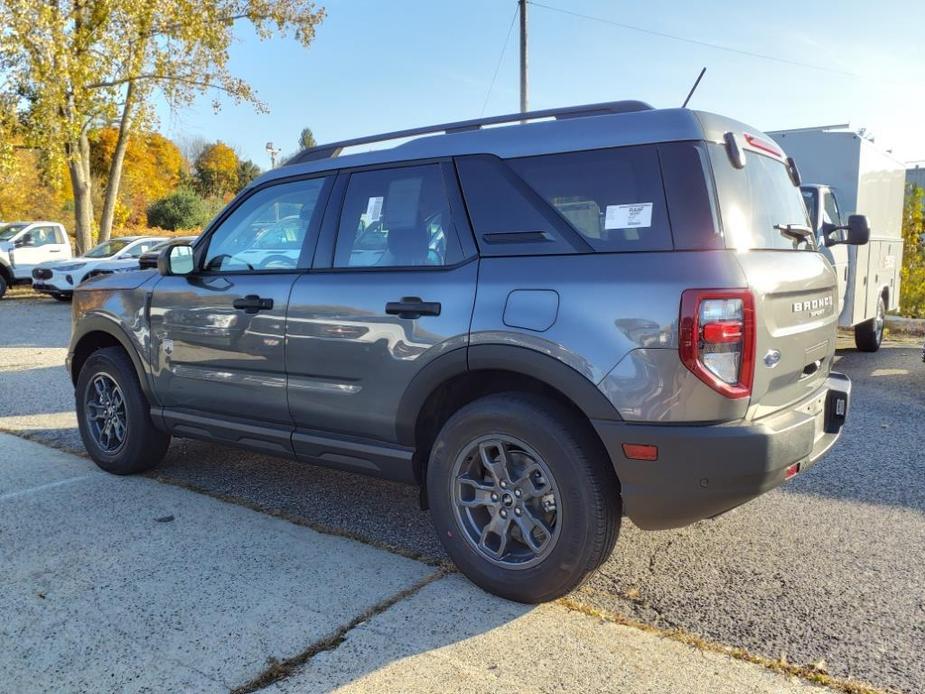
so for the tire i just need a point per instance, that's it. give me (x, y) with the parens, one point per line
(869, 335)
(3, 286)
(142, 445)
(567, 462)
(64, 298)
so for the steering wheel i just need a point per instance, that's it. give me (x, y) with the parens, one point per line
(276, 262)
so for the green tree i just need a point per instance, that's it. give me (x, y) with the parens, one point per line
(216, 170)
(70, 66)
(247, 172)
(307, 139)
(912, 295)
(182, 209)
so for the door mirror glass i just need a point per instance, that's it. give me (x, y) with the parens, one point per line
(176, 260)
(855, 233)
(858, 230)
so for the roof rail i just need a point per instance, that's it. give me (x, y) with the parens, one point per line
(333, 149)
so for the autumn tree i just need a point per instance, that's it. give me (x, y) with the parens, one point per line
(72, 66)
(26, 194)
(153, 167)
(216, 171)
(913, 268)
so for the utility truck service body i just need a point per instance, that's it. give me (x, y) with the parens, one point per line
(847, 174)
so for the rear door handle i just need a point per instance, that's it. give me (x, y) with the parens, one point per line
(412, 307)
(253, 303)
(54, 250)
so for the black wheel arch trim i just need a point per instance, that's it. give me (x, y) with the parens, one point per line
(96, 323)
(521, 360)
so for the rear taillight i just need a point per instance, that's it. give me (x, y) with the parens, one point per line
(717, 340)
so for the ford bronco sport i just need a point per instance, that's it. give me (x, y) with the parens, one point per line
(600, 311)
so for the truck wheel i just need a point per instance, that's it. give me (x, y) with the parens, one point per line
(522, 496)
(3, 286)
(114, 415)
(869, 334)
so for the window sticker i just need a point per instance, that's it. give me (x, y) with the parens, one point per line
(374, 209)
(628, 216)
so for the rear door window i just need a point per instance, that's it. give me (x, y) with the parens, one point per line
(756, 199)
(614, 198)
(397, 217)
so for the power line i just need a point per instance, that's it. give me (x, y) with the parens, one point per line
(697, 42)
(500, 60)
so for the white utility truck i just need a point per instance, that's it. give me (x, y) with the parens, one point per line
(844, 174)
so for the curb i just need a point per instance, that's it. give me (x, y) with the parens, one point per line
(909, 326)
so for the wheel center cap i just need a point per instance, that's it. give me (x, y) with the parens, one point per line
(507, 500)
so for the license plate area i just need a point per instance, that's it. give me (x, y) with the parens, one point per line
(836, 411)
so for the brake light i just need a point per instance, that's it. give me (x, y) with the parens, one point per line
(763, 145)
(717, 338)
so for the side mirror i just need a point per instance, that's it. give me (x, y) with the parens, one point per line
(25, 240)
(858, 229)
(857, 232)
(176, 260)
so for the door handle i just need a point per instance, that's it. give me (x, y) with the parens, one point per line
(253, 303)
(54, 250)
(412, 307)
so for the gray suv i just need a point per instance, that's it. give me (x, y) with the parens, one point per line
(593, 312)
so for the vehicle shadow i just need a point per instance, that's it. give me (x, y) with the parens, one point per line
(880, 458)
(377, 511)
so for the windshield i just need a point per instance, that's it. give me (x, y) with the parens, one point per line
(809, 199)
(8, 231)
(757, 199)
(104, 250)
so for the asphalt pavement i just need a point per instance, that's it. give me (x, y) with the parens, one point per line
(828, 570)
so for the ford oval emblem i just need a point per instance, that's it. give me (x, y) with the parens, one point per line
(772, 358)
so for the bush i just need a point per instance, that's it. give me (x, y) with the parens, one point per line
(912, 291)
(182, 209)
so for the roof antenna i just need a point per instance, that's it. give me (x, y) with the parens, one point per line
(694, 88)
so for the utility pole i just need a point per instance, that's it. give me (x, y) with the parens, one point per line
(272, 151)
(523, 55)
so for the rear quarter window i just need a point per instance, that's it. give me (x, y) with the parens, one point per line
(613, 198)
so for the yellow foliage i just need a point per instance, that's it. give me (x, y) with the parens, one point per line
(217, 170)
(25, 195)
(153, 167)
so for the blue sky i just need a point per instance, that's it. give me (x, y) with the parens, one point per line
(377, 66)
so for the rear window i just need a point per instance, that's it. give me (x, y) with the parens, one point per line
(613, 198)
(756, 199)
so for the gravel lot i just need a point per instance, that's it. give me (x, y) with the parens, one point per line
(829, 568)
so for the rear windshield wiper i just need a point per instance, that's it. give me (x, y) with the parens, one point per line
(797, 232)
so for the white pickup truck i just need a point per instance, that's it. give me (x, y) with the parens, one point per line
(847, 174)
(23, 245)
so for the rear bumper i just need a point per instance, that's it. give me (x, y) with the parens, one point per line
(703, 471)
